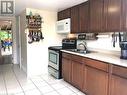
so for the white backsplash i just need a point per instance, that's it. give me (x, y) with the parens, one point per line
(103, 44)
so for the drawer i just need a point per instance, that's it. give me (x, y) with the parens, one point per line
(120, 71)
(66, 55)
(97, 64)
(77, 58)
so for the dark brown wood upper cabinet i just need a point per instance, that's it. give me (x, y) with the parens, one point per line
(75, 19)
(113, 15)
(79, 17)
(124, 15)
(64, 14)
(96, 15)
(107, 15)
(84, 17)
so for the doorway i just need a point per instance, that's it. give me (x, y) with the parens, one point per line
(5, 42)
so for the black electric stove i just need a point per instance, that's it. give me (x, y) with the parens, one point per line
(57, 48)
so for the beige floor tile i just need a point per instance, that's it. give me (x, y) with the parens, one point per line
(46, 89)
(32, 92)
(58, 86)
(52, 93)
(65, 91)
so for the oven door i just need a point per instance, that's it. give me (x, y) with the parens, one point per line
(54, 59)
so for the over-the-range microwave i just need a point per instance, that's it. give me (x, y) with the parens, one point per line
(63, 26)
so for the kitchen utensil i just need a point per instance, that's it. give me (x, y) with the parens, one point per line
(113, 39)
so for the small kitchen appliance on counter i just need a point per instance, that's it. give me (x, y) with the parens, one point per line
(55, 57)
(123, 46)
(69, 43)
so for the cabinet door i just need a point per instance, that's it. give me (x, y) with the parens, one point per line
(84, 78)
(77, 74)
(96, 81)
(124, 15)
(75, 19)
(66, 69)
(64, 14)
(113, 15)
(96, 16)
(118, 85)
(83, 17)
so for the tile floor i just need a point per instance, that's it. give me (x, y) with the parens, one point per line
(13, 81)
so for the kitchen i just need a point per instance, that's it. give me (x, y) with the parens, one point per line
(98, 66)
(92, 73)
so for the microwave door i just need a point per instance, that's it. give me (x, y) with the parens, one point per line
(63, 26)
(60, 27)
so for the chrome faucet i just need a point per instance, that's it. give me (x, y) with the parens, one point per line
(84, 44)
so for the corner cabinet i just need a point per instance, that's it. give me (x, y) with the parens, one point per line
(118, 83)
(73, 14)
(79, 17)
(64, 14)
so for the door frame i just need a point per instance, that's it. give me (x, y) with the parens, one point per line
(14, 48)
(19, 43)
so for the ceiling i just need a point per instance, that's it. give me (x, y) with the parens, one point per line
(53, 5)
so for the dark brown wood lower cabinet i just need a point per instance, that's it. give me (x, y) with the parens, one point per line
(77, 74)
(118, 85)
(96, 81)
(94, 77)
(66, 69)
(84, 79)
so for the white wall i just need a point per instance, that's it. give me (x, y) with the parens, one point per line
(23, 40)
(37, 52)
(103, 44)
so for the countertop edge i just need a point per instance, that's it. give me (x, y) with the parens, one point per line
(107, 58)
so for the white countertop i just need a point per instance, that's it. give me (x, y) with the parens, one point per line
(109, 58)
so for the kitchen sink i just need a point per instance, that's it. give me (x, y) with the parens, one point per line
(79, 51)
